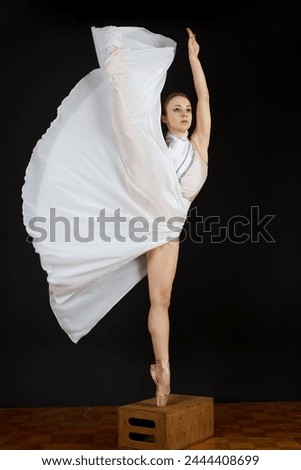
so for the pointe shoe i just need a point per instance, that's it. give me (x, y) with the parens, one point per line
(160, 372)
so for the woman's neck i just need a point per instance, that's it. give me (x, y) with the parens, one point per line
(182, 136)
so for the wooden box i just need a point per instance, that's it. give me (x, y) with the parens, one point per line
(185, 421)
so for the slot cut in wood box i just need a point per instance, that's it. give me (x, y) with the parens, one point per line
(185, 421)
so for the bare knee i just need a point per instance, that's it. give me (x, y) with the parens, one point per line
(160, 298)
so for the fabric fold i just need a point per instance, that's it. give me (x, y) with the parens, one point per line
(100, 189)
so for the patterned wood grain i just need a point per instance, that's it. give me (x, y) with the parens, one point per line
(237, 426)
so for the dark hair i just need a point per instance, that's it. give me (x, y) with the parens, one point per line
(170, 97)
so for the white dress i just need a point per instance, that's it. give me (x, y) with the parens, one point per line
(190, 168)
(100, 189)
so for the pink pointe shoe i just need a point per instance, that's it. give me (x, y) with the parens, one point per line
(160, 372)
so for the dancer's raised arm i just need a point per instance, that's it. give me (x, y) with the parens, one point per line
(201, 135)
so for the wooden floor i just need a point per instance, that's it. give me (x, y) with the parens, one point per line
(257, 426)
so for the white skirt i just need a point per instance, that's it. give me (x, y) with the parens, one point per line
(100, 189)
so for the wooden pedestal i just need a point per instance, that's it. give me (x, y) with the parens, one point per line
(185, 421)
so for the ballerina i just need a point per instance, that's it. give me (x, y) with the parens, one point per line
(190, 156)
(106, 194)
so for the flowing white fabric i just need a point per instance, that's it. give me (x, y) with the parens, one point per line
(100, 189)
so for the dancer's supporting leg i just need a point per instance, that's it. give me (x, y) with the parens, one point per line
(161, 269)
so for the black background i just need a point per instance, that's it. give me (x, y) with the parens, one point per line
(235, 313)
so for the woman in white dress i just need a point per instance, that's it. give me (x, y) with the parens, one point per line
(191, 159)
(105, 195)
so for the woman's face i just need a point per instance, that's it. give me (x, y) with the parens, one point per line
(178, 115)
